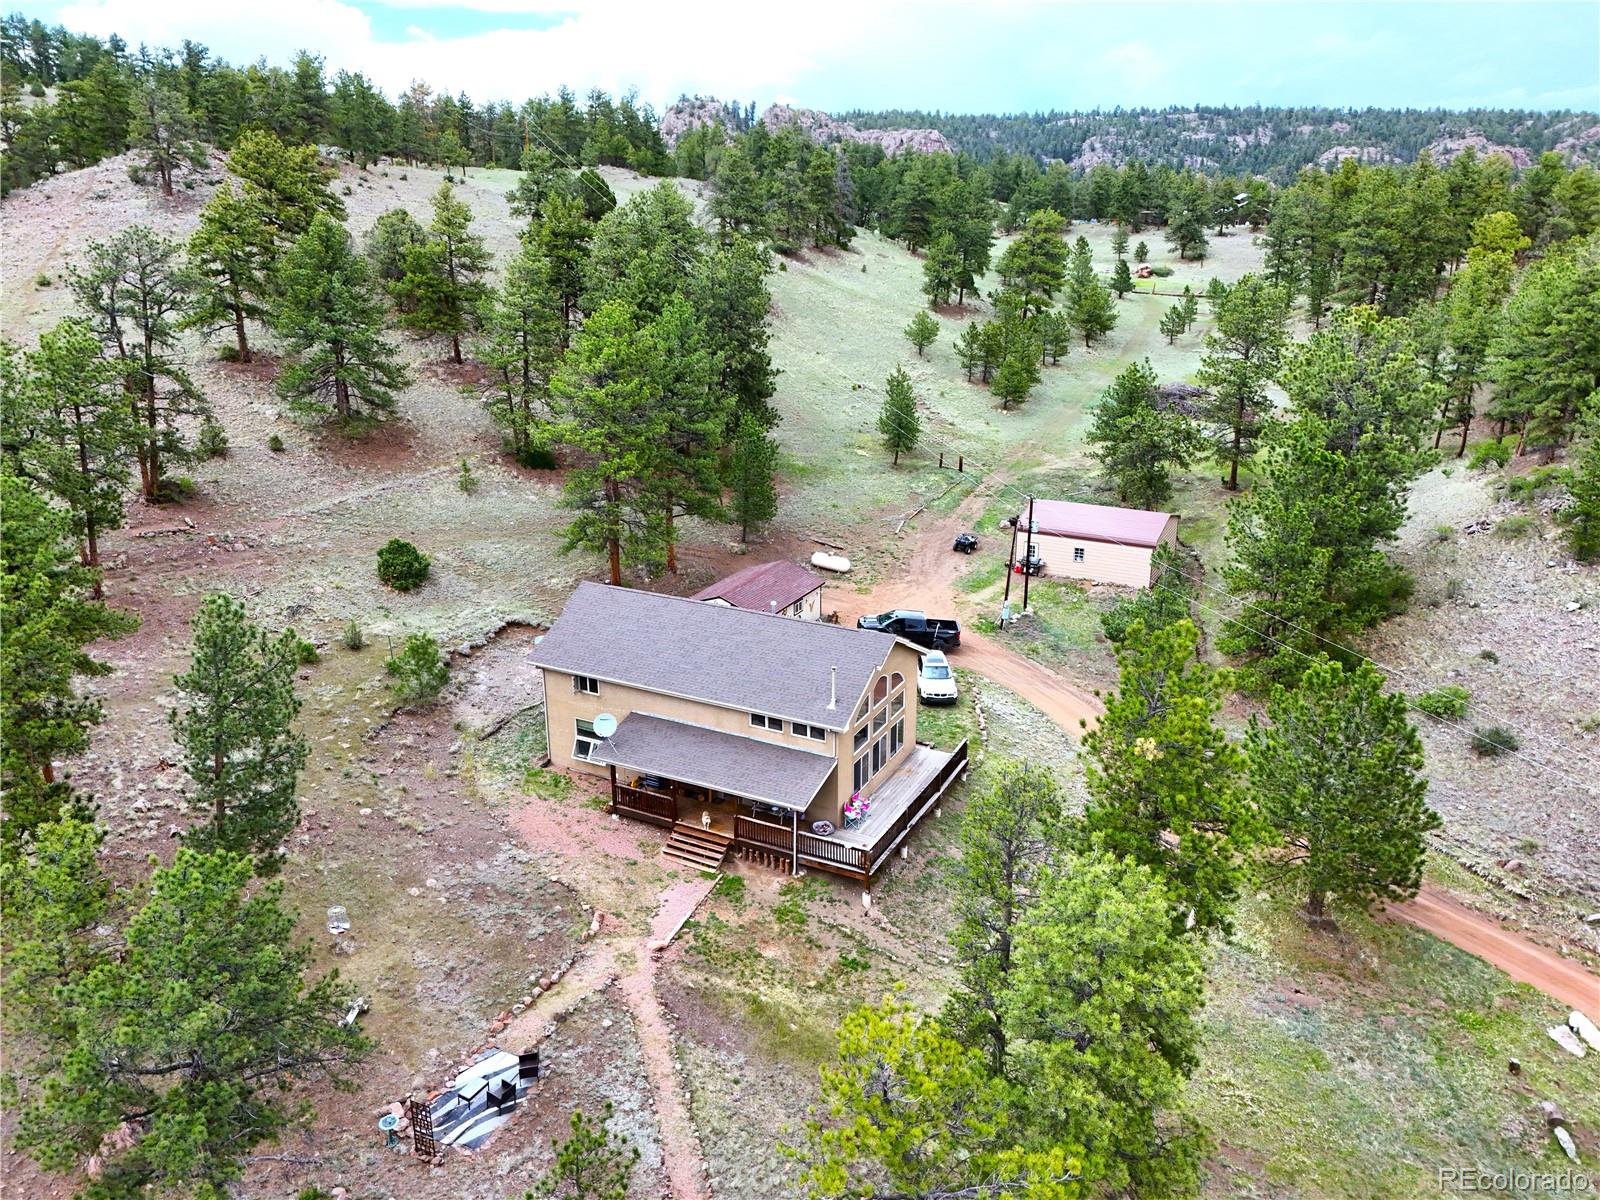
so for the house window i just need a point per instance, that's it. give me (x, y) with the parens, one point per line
(880, 754)
(898, 703)
(861, 713)
(860, 740)
(584, 741)
(1077, 554)
(585, 684)
(862, 774)
(897, 738)
(764, 722)
(896, 680)
(878, 719)
(815, 732)
(880, 689)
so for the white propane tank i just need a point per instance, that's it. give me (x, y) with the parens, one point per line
(830, 562)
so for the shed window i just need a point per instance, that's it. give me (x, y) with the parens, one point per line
(586, 684)
(1077, 554)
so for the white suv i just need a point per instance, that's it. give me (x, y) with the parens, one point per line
(936, 682)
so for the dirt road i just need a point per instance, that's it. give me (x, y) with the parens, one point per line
(1446, 917)
(927, 581)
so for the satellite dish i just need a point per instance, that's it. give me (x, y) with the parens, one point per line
(605, 725)
(538, 639)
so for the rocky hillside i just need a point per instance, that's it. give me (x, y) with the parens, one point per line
(692, 112)
(826, 130)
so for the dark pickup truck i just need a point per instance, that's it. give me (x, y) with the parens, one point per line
(935, 633)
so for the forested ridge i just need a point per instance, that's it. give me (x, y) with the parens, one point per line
(1275, 142)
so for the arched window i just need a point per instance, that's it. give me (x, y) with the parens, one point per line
(896, 680)
(880, 689)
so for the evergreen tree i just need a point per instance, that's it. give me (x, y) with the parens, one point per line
(1338, 774)
(418, 670)
(191, 1026)
(1582, 516)
(562, 236)
(1034, 266)
(1121, 279)
(1011, 833)
(522, 329)
(730, 297)
(970, 350)
(1191, 307)
(463, 257)
(1243, 353)
(738, 201)
(542, 176)
(325, 310)
(1088, 302)
(393, 235)
(1014, 379)
(1173, 323)
(1136, 442)
(1186, 223)
(47, 621)
(360, 119)
(1119, 241)
(285, 185)
(941, 270)
(609, 385)
(230, 258)
(592, 1164)
(1164, 779)
(1141, 252)
(234, 728)
(697, 412)
(922, 331)
(136, 292)
(163, 132)
(643, 253)
(752, 495)
(69, 431)
(898, 420)
(1055, 334)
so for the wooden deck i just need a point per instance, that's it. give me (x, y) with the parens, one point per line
(891, 801)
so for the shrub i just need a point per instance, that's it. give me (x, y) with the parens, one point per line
(1443, 533)
(305, 653)
(1161, 270)
(466, 480)
(41, 280)
(173, 489)
(352, 638)
(275, 444)
(136, 173)
(401, 565)
(419, 671)
(1494, 741)
(1449, 701)
(228, 353)
(1488, 656)
(212, 441)
(537, 458)
(1484, 453)
(1515, 526)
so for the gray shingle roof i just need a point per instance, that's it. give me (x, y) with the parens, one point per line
(710, 758)
(738, 659)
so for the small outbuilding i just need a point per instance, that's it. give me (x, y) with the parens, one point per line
(780, 587)
(1098, 542)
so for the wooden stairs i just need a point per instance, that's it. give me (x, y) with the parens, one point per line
(691, 845)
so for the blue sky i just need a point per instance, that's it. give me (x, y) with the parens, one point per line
(1004, 55)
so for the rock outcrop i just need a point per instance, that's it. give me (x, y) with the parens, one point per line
(691, 112)
(824, 130)
(1446, 148)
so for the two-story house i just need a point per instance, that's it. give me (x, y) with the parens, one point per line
(792, 740)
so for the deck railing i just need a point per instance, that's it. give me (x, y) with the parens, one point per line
(914, 811)
(642, 805)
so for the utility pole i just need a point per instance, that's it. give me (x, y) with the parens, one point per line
(1011, 567)
(524, 135)
(1027, 557)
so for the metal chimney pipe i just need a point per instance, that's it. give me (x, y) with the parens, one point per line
(833, 688)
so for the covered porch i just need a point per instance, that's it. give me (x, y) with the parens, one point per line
(755, 793)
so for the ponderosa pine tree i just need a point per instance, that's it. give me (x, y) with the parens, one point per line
(643, 253)
(897, 419)
(970, 350)
(327, 313)
(163, 132)
(463, 258)
(1121, 279)
(1173, 323)
(922, 331)
(1015, 377)
(1088, 302)
(542, 176)
(70, 433)
(752, 463)
(1055, 335)
(136, 291)
(738, 201)
(1141, 252)
(730, 297)
(360, 120)
(1119, 241)
(697, 414)
(1186, 222)
(1012, 832)
(1337, 772)
(1136, 442)
(1243, 353)
(47, 623)
(521, 329)
(1164, 780)
(1034, 266)
(234, 728)
(230, 259)
(941, 270)
(609, 385)
(285, 185)
(591, 1164)
(193, 1025)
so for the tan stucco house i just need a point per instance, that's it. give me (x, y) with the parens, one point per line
(792, 740)
(1098, 542)
(780, 587)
